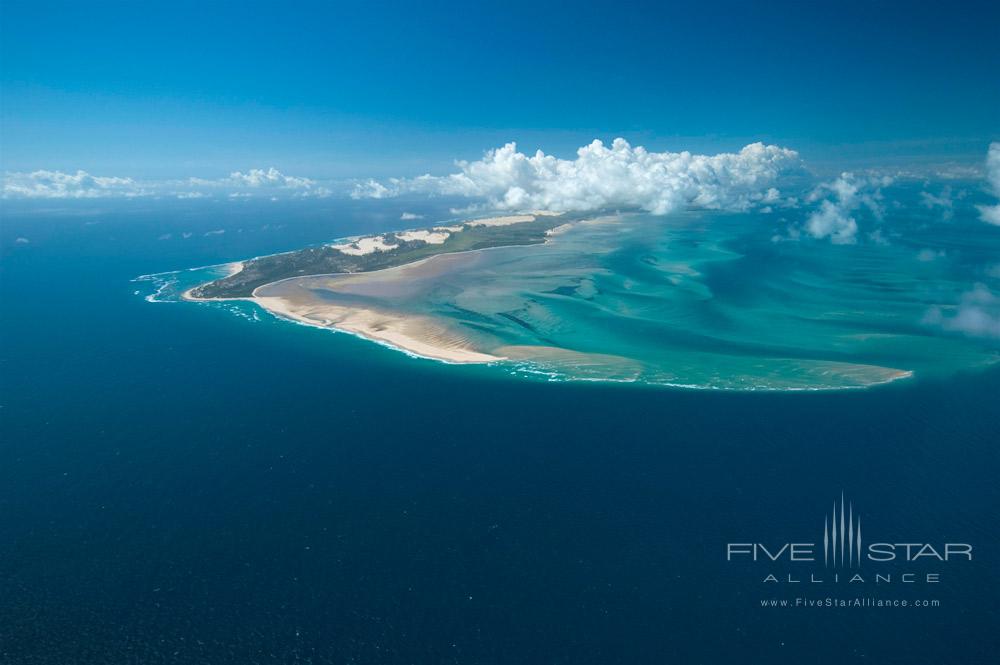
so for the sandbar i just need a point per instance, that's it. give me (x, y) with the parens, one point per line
(418, 336)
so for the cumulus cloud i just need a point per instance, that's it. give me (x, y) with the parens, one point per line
(991, 214)
(833, 221)
(272, 177)
(602, 177)
(262, 182)
(58, 185)
(977, 314)
(407, 216)
(839, 202)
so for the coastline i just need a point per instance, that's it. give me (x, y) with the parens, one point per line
(407, 334)
(391, 331)
(231, 268)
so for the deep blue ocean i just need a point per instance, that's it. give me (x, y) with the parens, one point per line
(179, 484)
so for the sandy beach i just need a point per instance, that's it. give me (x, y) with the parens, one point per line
(296, 299)
(418, 336)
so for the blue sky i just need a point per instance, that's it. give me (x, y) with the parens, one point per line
(337, 90)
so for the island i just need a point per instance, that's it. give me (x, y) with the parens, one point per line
(341, 285)
(387, 250)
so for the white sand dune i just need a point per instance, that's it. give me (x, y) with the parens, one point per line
(506, 220)
(435, 237)
(366, 245)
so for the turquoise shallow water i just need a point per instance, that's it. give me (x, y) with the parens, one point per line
(695, 300)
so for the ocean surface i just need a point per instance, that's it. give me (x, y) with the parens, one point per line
(204, 483)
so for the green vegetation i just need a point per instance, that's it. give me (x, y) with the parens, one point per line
(325, 260)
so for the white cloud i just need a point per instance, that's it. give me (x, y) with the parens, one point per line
(602, 177)
(944, 202)
(44, 184)
(834, 222)
(839, 201)
(993, 166)
(22, 241)
(991, 214)
(272, 177)
(266, 182)
(408, 216)
(372, 189)
(58, 185)
(977, 315)
(957, 172)
(931, 201)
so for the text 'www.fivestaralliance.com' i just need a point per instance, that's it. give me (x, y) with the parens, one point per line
(846, 603)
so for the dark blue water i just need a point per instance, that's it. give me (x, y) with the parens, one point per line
(181, 485)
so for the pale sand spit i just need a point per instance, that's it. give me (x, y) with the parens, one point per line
(418, 336)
